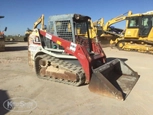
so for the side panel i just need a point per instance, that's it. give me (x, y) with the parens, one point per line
(132, 33)
(34, 47)
(150, 37)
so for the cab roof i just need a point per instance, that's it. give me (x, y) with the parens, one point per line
(75, 17)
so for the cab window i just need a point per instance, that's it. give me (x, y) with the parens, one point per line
(133, 22)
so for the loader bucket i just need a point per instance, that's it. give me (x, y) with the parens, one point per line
(114, 79)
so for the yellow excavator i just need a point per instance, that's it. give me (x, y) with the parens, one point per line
(115, 31)
(108, 31)
(138, 34)
(40, 20)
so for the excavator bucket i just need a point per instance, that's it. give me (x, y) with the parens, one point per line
(114, 79)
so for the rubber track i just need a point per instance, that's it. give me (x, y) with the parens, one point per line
(66, 66)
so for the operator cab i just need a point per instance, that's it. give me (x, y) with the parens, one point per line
(70, 27)
(142, 23)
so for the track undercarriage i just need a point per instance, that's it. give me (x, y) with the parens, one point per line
(51, 68)
(135, 45)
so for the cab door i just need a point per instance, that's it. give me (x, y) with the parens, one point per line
(145, 25)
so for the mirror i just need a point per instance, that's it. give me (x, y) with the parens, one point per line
(5, 29)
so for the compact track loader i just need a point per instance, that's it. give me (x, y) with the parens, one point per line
(62, 55)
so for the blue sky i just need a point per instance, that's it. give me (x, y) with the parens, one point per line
(21, 14)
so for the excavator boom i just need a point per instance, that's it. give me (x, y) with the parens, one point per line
(116, 20)
(39, 21)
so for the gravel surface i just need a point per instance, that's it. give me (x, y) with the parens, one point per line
(18, 82)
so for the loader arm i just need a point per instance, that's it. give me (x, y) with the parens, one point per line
(79, 52)
(113, 79)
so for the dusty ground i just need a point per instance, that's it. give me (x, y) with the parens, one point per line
(18, 80)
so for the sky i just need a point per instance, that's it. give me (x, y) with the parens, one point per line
(21, 14)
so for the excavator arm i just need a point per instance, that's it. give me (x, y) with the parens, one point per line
(40, 20)
(116, 20)
(99, 22)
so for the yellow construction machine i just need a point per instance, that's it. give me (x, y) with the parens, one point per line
(106, 30)
(61, 54)
(2, 38)
(40, 20)
(115, 31)
(138, 34)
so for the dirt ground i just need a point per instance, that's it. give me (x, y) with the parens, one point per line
(17, 80)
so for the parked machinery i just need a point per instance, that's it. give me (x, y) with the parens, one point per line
(27, 33)
(2, 38)
(105, 32)
(107, 29)
(138, 35)
(61, 55)
(40, 20)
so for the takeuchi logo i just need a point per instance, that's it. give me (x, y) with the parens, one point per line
(19, 104)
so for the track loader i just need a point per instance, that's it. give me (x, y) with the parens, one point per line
(61, 55)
